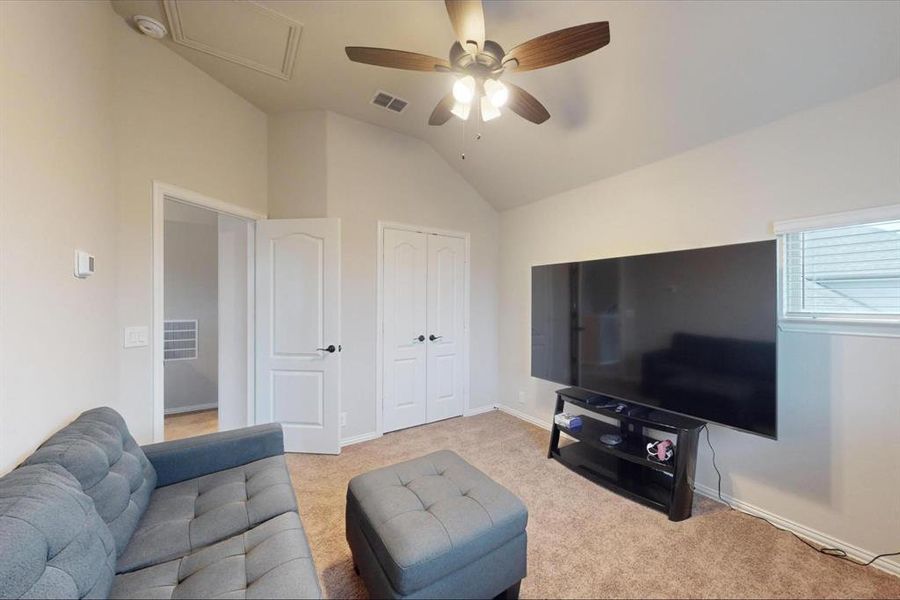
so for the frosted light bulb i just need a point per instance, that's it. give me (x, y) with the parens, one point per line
(461, 110)
(497, 92)
(464, 89)
(488, 110)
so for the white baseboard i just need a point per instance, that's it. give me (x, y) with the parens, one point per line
(193, 408)
(814, 536)
(479, 410)
(365, 437)
(536, 422)
(358, 439)
(524, 416)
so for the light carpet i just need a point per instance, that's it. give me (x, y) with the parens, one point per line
(583, 541)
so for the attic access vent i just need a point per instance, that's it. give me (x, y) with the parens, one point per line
(389, 102)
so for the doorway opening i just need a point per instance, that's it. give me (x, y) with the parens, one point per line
(191, 319)
(203, 314)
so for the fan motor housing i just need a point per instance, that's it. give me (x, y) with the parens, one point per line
(485, 63)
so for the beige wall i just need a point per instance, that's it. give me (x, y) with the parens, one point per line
(374, 174)
(838, 394)
(175, 124)
(58, 333)
(92, 113)
(297, 165)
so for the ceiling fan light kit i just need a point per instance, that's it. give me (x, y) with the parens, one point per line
(462, 110)
(496, 92)
(479, 64)
(464, 89)
(489, 112)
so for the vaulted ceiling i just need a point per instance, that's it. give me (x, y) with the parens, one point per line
(676, 75)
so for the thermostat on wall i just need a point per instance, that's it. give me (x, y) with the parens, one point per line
(84, 264)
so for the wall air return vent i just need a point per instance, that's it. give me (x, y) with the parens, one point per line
(180, 342)
(389, 102)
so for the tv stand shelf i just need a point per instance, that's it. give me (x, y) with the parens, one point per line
(625, 468)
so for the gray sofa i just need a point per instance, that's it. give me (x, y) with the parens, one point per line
(92, 515)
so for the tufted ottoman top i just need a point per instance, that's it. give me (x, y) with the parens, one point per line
(430, 516)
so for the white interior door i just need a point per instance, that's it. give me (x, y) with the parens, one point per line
(404, 280)
(446, 337)
(298, 360)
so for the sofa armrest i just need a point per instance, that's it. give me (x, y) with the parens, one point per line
(179, 460)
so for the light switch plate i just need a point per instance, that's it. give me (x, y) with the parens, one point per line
(137, 337)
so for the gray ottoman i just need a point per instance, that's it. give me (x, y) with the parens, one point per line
(436, 527)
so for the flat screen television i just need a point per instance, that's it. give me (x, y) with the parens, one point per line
(692, 332)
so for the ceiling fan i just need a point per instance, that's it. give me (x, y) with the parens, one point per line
(481, 62)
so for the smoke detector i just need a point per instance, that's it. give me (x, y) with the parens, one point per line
(150, 26)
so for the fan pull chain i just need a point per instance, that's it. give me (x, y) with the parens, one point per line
(465, 137)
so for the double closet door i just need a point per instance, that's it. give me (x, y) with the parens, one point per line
(424, 328)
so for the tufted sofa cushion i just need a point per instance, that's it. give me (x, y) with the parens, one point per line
(186, 516)
(428, 517)
(53, 544)
(271, 560)
(100, 453)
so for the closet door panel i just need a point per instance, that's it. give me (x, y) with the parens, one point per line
(446, 296)
(404, 307)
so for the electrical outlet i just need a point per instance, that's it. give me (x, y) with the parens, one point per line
(343, 419)
(521, 397)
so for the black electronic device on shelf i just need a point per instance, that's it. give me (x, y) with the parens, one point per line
(625, 467)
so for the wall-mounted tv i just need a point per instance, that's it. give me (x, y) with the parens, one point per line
(691, 332)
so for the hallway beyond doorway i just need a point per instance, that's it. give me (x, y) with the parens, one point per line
(184, 425)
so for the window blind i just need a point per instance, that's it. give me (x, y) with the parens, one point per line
(850, 271)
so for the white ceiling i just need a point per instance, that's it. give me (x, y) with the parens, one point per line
(675, 75)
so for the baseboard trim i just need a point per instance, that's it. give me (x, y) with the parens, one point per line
(536, 422)
(186, 409)
(374, 435)
(480, 410)
(814, 536)
(524, 416)
(358, 439)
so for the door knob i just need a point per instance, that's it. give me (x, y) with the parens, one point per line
(421, 338)
(330, 348)
(433, 337)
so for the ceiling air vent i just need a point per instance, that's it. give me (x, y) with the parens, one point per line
(389, 102)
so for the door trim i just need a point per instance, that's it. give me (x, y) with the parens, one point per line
(379, 321)
(161, 191)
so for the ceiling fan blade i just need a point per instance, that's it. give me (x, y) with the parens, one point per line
(396, 59)
(557, 47)
(525, 105)
(441, 113)
(467, 18)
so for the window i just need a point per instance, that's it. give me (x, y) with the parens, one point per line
(180, 340)
(849, 272)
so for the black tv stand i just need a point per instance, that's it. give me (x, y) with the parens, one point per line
(625, 468)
